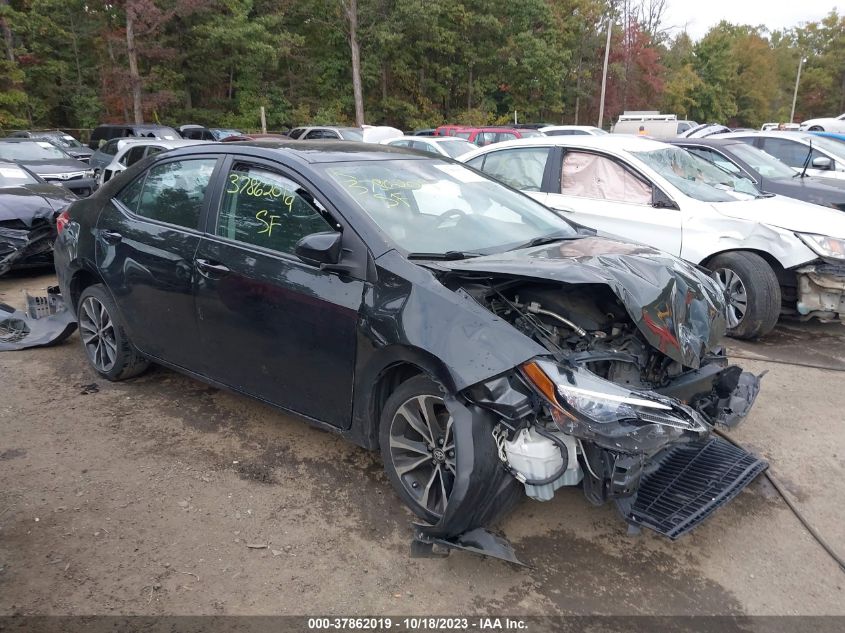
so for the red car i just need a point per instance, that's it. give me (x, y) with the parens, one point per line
(486, 135)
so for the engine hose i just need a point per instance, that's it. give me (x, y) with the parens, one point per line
(564, 453)
(782, 492)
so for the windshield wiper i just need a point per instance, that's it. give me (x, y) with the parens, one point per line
(448, 255)
(546, 239)
(806, 161)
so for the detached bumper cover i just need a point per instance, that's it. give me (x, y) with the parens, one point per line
(46, 321)
(691, 482)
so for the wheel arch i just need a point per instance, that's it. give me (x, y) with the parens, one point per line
(786, 278)
(391, 367)
(79, 281)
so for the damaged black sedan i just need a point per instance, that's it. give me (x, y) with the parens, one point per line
(488, 349)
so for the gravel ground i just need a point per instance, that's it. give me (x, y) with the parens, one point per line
(162, 495)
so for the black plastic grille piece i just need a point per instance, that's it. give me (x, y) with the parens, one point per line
(692, 482)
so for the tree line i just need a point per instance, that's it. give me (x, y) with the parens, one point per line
(407, 63)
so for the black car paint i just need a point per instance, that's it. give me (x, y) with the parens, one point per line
(824, 191)
(381, 314)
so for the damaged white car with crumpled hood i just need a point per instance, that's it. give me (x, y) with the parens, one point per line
(774, 255)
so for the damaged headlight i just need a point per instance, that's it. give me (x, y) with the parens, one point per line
(823, 245)
(585, 405)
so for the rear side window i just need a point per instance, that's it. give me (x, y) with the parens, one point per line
(264, 208)
(173, 192)
(133, 155)
(296, 132)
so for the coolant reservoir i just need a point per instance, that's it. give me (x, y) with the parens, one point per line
(537, 457)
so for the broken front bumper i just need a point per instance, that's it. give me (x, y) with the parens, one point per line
(821, 292)
(46, 321)
(20, 245)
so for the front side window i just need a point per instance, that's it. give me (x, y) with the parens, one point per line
(601, 178)
(174, 192)
(264, 208)
(521, 168)
(485, 138)
(791, 152)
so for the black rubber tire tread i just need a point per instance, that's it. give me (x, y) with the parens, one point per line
(129, 361)
(420, 385)
(762, 288)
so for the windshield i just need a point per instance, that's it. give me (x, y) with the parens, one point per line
(827, 145)
(696, 177)
(765, 164)
(436, 207)
(14, 176)
(220, 133)
(63, 140)
(31, 150)
(456, 147)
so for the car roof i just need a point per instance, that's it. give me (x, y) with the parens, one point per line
(794, 136)
(611, 142)
(709, 141)
(322, 151)
(167, 144)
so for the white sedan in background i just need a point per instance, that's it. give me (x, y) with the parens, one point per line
(823, 157)
(769, 251)
(137, 149)
(450, 146)
(828, 124)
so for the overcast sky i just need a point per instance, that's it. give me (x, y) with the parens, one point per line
(698, 17)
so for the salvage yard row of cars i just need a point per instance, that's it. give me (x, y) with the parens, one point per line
(478, 321)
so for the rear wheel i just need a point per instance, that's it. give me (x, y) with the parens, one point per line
(418, 446)
(104, 338)
(753, 293)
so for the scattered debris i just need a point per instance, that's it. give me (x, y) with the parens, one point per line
(257, 545)
(46, 321)
(89, 389)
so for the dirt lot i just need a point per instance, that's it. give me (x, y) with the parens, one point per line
(146, 497)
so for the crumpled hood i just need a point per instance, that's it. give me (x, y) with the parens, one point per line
(679, 310)
(787, 213)
(29, 202)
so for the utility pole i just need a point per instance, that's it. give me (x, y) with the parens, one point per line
(604, 72)
(795, 93)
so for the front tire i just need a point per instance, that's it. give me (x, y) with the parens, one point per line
(816, 128)
(752, 292)
(418, 448)
(104, 337)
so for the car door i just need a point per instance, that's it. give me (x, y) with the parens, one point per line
(601, 192)
(273, 326)
(147, 236)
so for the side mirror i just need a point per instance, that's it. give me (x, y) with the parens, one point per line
(821, 162)
(660, 200)
(320, 249)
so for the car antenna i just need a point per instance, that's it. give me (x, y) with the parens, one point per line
(807, 160)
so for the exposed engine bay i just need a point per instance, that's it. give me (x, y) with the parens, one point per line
(610, 411)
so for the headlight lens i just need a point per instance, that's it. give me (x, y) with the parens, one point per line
(578, 393)
(824, 245)
(89, 173)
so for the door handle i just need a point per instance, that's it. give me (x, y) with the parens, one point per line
(111, 237)
(211, 269)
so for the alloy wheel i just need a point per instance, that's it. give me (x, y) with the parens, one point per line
(422, 448)
(736, 294)
(97, 330)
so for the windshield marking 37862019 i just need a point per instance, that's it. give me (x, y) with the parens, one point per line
(435, 207)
